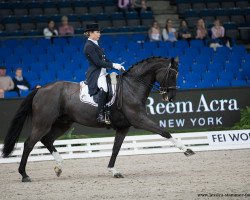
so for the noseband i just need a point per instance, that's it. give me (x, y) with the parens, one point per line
(164, 90)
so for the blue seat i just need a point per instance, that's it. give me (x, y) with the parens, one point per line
(138, 37)
(28, 60)
(245, 66)
(71, 66)
(8, 95)
(46, 58)
(80, 74)
(232, 67)
(226, 75)
(37, 50)
(239, 83)
(221, 83)
(31, 75)
(219, 58)
(198, 68)
(47, 76)
(209, 76)
(28, 43)
(193, 52)
(192, 77)
(21, 51)
(149, 45)
(64, 75)
(215, 67)
(37, 67)
(186, 60)
(189, 85)
(222, 51)
(206, 51)
(62, 42)
(147, 15)
(181, 44)
(196, 43)
(239, 49)
(24, 93)
(174, 52)
(203, 59)
(55, 66)
(165, 44)
(205, 84)
(235, 58)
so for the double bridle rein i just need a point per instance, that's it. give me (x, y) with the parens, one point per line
(158, 88)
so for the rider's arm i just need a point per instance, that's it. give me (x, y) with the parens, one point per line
(90, 52)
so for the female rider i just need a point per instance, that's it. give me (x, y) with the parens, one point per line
(96, 73)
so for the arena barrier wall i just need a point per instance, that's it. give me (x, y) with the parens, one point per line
(135, 145)
(199, 109)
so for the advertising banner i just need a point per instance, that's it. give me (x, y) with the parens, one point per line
(199, 108)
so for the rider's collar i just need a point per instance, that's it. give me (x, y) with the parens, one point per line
(94, 41)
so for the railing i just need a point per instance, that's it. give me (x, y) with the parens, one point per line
(135, 145)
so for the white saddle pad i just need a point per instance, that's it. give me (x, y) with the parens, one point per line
(86, 98)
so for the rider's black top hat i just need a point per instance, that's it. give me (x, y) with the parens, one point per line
(92, 27)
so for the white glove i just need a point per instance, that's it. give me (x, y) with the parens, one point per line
(118, 66)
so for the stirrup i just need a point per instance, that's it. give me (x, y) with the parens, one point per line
(107, 117)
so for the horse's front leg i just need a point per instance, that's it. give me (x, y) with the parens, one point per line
(143, 122)
(119, 138)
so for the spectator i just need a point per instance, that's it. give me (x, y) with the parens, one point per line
(154, 32)
(201, 31)
(6, 82)
(50, 31)
(123, 5)
(66, 29)
(169, 33)
(20, 83)
(139, 5)
(218, 34)
(184, 32)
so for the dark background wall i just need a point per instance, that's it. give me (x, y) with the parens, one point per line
(168, 118)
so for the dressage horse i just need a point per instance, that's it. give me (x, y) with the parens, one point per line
(53, 110)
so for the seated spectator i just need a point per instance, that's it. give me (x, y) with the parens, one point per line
(124, 5)
(218, 34)
(144, 6)
(6, 83)
(184, 32)
(169, 33)
(50, 31)
(154, 32)
(66, 29)
(201, 31)
(20, 83)
(139, 5)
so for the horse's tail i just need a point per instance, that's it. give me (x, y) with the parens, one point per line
(17, 123)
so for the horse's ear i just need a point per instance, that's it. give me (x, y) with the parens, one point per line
(176, 59)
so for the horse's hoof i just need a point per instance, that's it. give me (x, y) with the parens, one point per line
(118, 175)
(26, 179)
(58, 171)
(189, 152)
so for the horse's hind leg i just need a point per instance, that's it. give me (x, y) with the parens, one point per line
(29, 144)
(58, 129)
(119, 137)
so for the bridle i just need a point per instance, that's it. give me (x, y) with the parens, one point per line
(159, 88)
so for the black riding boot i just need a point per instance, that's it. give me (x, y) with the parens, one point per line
(101, 104)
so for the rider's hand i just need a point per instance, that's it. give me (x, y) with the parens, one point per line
(118, 66)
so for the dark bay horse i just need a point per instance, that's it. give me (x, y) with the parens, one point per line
(53, 109)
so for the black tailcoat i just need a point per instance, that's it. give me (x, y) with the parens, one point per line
(97, 60)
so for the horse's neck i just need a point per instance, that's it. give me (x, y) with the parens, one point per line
(140, 86)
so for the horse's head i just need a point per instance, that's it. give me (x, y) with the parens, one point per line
(167, 77)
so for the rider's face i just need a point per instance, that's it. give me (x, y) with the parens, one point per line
(95, 35)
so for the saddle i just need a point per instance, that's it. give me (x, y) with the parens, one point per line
(93, 100)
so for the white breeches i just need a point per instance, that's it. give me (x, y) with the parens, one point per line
(102, 82)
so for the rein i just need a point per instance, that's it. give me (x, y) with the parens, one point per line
(161, 90)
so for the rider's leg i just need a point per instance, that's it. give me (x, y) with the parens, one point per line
(102, 85)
